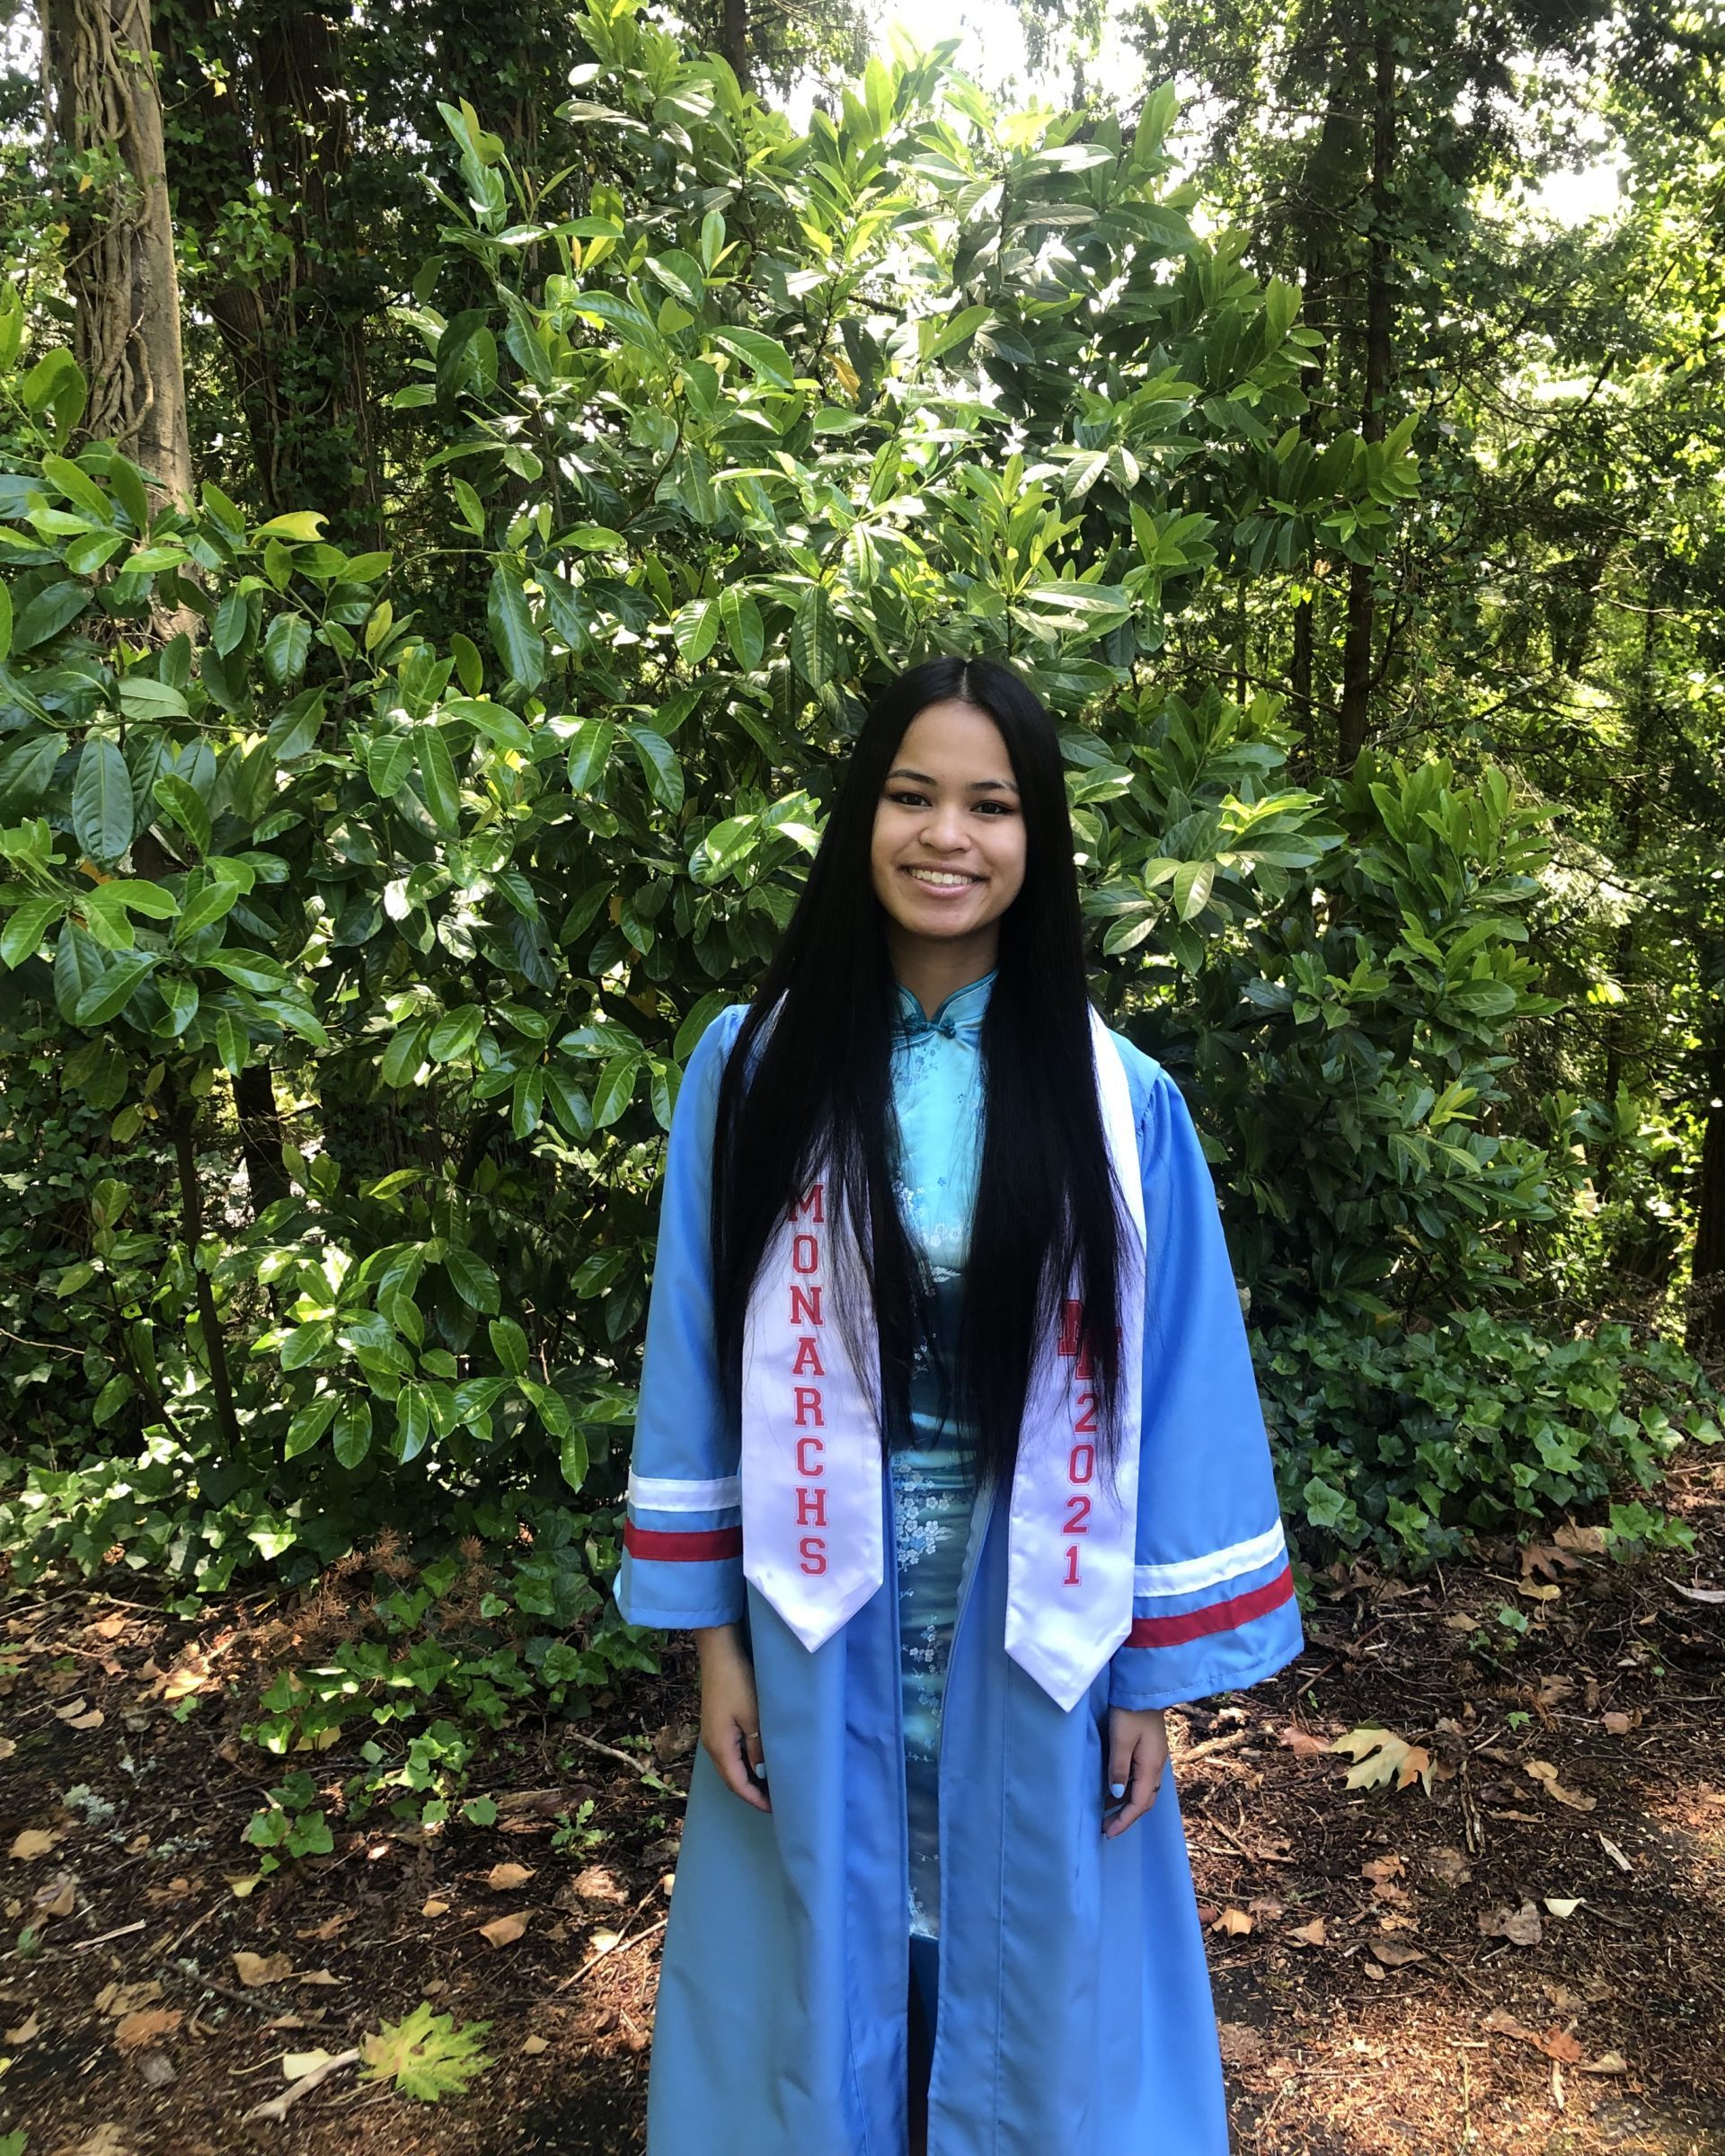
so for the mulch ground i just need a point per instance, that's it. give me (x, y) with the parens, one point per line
(1512, 1940)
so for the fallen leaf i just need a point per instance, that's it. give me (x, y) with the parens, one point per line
(8, 1745)
(182, 1683)
(117, 1999)
(318, 1976)
(595, 1883)
(25, 2030)
(1315, 1934)
(33, 1843)
(149, 2027)
(1545, 1774)
(1521, 1927)
(1613, 2061)
(330, 1928)
(1620, 1725)
(1590, 1541)
(1449, 1865)
(1549, 1558)
(107, 2140)
(1536, 1593)
(605, 1942)
(1698, 1593)
(434, 1907)
(504, 1931)
(1615, 1853)
(1381, 1756)
(534, 2045)
(297, 2064)
(264, 1968)
(1234, 1922)
(1392, 1953)
(58, 1896)
(1381, 1868)
(1302, 1742)
(503, 1878)
(1560, 1907)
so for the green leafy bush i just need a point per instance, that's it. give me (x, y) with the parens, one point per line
(1406, 1441)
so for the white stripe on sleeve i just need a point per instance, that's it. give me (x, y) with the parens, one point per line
(1191, 1573)
(662, 1493)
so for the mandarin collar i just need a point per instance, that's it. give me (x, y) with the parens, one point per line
(960, 1013)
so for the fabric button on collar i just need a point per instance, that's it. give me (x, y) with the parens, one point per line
(960, 1013)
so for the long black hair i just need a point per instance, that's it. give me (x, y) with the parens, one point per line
(816, 1045)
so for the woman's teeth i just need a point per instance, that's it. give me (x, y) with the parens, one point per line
(940, 877)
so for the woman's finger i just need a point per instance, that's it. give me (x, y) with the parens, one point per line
(1143, 1777)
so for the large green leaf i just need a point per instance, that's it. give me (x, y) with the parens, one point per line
(102, 800)
(517, 643)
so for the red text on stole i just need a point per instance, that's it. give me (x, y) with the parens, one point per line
(808, 1414)
(1081, 1461)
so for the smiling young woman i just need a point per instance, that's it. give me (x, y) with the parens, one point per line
(948, 1452)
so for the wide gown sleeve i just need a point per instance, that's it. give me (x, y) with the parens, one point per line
(683, 1542)
(1213, 1605)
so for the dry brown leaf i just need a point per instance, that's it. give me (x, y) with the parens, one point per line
(33, 1843)
(1302, 1742)
(117, 1999)
(504, 1878)
(330, 1928)
(107, 2140)
(1522, 1927)
(318, 1976)
(1234, 1922)
(149, 2027)
(1560, 1906)
(595, 1883)
(1549, 1558)
(605, 1942)
(8, 1745)
(1545, 1774)
(1315, 1934)
(264, 1968)
(182, 1683)
(434, 1907)
(504, 1931)
(57, 1897)
(1449, 1865)
(1392, 1953)
(1536, 1593)
(1620, 1725)
(1613, 2061)
(533, 2045)
(1615, 1853)
(25, 2030)
(1587, 1542)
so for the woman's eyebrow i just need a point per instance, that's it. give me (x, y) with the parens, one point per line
(995, 785)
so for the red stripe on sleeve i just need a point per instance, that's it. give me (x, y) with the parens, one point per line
(699, 1545)
(1219, 1617)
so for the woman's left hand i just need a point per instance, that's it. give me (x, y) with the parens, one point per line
(1137, 1751)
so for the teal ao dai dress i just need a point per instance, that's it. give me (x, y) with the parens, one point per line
(937, 1100)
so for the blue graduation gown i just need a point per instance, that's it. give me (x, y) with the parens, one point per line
(1076, 2012)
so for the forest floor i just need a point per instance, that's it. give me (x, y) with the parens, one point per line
(1521, 1950)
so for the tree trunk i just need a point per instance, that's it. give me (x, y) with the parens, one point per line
(1354, 715)
(733, 38)
(119, 265)
(260, 1137)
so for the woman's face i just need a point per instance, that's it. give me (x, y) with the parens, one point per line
(948, 855)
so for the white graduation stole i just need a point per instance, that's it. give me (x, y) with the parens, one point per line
(812, 1456)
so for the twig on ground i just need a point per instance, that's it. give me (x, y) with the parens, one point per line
(278, 2106)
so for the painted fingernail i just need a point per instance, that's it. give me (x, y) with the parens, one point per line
(1116, 1789)
(760, 1769)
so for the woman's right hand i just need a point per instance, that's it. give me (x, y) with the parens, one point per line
(730, 1720)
